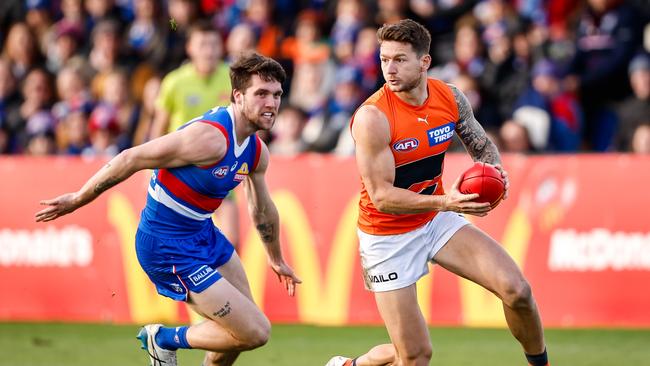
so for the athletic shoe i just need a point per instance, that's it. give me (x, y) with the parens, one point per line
(339, 361)
(158, 356)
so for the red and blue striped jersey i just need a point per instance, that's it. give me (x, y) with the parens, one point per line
(181, 200)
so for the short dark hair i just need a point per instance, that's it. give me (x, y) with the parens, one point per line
(242, 70)
(201, 26)
(407, 31)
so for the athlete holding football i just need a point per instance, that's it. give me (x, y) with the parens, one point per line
(182, 252)
(406, 219)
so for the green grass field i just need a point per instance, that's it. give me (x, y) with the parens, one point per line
(90, 344)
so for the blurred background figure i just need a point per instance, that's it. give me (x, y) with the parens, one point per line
(103, 130)
(72, 133)
(195, 87)
(21, 50)
(9, 108)
(607, 37)
(514, 138)
(37, 95)
(635, 109)
(326, 125)
(241, 40)
(562, 109)
(287, 132)
(40, 134)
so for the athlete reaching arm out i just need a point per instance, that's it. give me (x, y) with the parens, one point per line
(198, 144)
(376, 165)
(267, 221)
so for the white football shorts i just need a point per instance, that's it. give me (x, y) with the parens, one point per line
(391, 262)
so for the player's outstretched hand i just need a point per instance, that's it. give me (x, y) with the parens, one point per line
(464, 203)
(57, 207)
(286, 276)
(506, 180)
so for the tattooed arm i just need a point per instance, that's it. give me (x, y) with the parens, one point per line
(199, 144)
(479, 146)
(267, 221)
(471, 133)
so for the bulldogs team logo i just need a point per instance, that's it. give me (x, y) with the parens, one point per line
(242, 173)
(221, 171)
(406, 145)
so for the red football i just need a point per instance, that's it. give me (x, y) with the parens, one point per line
(485, 180)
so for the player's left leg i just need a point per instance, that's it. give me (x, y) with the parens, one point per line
(233, 271)
(472, 254)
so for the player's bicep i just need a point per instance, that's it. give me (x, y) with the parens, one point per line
(198, 144)
(375, 160)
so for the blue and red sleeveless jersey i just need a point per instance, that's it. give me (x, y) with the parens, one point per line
(181, 200)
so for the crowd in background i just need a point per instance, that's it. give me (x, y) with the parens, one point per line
(93, 77)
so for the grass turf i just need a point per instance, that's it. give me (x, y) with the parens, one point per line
(26, 344)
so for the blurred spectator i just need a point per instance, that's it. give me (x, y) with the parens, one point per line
(348, 23)
(259, 14)
(102, 10)
(287, 132)
(307, 45)
(73, 92)
(182, 14)
(21, 50)
(147, 33)
(241, 40)
(10, 119)
(105, 54)
(323, 130)
(37, 97)
(641, 139)
(116, 96)
(73, 18)
(606, 39)
(366, 59)
(311, 85)
(63, 46)
(195, 87)
(11, 11)
(103, 129)
(39, 20)
(514, 138)
(562, 110)
(503, 79)
(468, 57)
(390, 11)
(40, 134)
(72, 133)
(635, 110)
(147, 111)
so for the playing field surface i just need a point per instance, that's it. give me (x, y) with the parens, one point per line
(41, 344)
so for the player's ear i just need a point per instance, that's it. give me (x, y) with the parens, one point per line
(425, 62)
(237, 95)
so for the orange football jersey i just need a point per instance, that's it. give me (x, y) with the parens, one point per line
(420, 136)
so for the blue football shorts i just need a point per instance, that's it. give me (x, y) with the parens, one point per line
(179, 265)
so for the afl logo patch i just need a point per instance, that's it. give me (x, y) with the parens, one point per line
(406, 145)
(221, 171)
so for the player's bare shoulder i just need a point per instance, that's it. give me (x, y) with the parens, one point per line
(370, 122)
